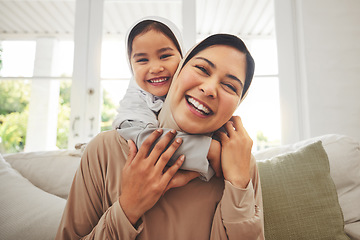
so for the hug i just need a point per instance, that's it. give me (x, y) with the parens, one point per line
(136, 182)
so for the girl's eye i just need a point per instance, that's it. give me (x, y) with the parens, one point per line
(201, 68)
(142, 60)
(231, 87)
(165, 56)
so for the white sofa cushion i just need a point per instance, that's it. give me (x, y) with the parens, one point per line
(26, 212)
(344, 158)
(52, 171)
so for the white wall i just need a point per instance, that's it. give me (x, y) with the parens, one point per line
(319, 67)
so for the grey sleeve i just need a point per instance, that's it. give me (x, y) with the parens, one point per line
(133, 107)
(194, 147)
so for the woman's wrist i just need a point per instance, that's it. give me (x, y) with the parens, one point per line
(239, 181)
(131, 215)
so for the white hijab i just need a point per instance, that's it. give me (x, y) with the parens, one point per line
(132, 105)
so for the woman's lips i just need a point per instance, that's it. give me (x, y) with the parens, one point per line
(197, 107)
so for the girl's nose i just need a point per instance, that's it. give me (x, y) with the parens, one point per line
(208, 87)
(156, 68)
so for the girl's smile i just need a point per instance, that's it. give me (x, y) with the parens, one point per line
(158, 81)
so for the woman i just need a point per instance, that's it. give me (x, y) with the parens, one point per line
(120, 194)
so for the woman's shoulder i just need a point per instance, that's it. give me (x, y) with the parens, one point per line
(110, 137)
(108, 145)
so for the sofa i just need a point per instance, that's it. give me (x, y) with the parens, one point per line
(311, 190)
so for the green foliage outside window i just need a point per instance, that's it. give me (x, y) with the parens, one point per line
(64, 115)
(14, 106)
(1, 50)
(14, 111)
(108, 112)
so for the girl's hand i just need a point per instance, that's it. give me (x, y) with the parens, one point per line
(236, 153)
(143, 179)
(214, 157)
(181, 178)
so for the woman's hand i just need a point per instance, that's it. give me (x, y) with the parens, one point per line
(236, 153)
(143, 179)
(214, 157)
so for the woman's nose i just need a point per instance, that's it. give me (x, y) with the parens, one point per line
(209, 88)
(156, 68)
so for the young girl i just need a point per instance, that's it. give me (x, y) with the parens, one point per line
(154, 51)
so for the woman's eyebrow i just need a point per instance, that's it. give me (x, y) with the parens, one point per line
(207, 60)
(235, 78)
(214, 66)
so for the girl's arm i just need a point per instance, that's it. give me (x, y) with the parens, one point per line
(194, 147)
(136, 120)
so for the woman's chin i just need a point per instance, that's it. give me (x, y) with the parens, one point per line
(193, 128)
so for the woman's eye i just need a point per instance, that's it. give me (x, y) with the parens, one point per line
(140, 60)
(202, 69)
(165, 56)
(231, 87)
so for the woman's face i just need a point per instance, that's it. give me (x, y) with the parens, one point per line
(208, 89)
(154, 60)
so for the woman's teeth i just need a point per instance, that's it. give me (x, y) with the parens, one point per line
(158, 80)
(198, 105)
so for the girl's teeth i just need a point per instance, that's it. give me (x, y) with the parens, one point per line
(158, 80)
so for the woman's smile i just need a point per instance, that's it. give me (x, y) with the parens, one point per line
(198, 107)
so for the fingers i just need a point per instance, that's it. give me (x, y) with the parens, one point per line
(222, 136)
(146, 145)
(172, 170)
(158, 153)
(216, 165)
(165, 156)
(132, 152)
(240, 127)
(234, 125)
(237, 123)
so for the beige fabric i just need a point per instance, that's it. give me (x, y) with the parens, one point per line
(199, 210)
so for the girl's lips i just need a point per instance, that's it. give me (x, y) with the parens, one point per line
(158, 81)
(198, 107)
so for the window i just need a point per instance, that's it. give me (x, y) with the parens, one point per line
(40, 63)
(17, 85)
(260, 111)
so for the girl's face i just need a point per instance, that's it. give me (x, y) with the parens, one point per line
(208, 89)
(154, 60)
